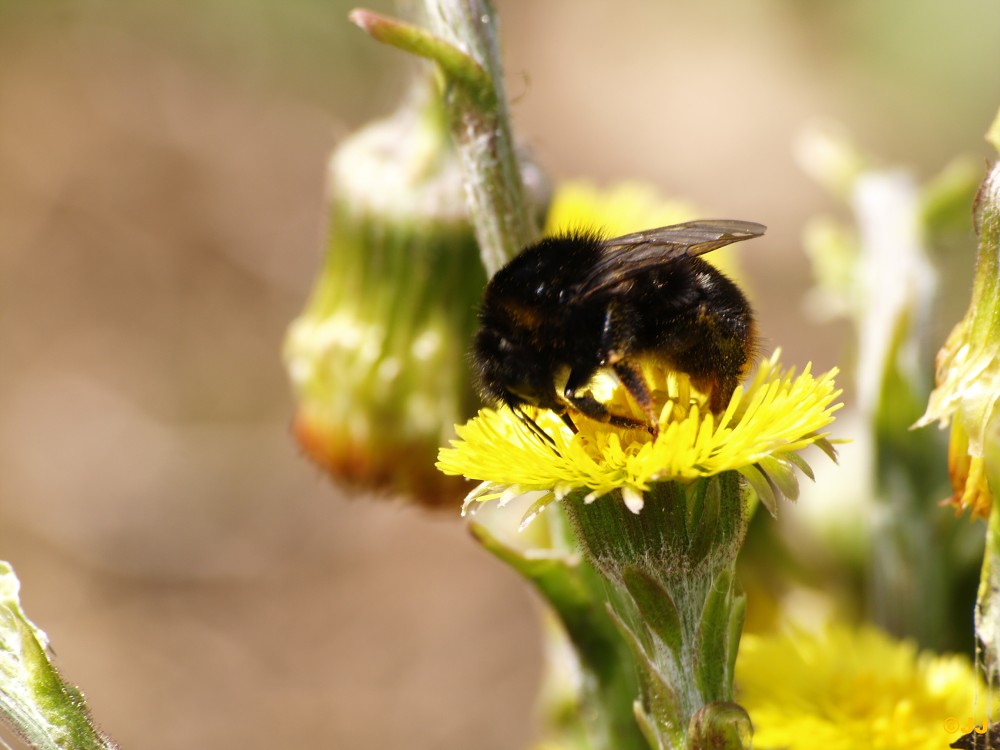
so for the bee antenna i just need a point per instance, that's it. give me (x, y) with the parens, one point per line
(535, 429)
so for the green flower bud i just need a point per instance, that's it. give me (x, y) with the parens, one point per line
(968, 367)
(377, 358)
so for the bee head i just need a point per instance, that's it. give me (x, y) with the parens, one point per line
(512, 373)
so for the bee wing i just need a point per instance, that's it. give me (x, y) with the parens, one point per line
(636, 254)
(689, 238)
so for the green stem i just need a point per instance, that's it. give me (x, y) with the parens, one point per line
(982, 421)
(480, 124)
(42, 709)
(985, 304)
(988, 596)
(454, 63)
(463, 43)
(986, 318)
(603, 718)
(671, 573)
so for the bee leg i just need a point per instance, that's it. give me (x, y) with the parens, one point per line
(590, 407)
(632, 379)
(627, 422)
(568, 422)
(594, 409)
(584, 403)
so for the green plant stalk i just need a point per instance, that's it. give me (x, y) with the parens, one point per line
(601, 715)
(463, 43)
(35, 702)
(988, 599)
(455, 64)
(985, 306)
(670, 570)
(480, 123)
(985, 324)
(464, 47)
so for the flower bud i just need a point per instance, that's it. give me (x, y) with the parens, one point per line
(968, 368)
(377, 358)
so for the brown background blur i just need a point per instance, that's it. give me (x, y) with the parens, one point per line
(161, 216)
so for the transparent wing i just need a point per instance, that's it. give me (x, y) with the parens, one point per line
(636, 254)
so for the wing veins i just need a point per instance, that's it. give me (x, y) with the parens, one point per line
(635, 254)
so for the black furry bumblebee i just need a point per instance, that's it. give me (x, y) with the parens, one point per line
(580, 303)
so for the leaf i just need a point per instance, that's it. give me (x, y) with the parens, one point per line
(646, 725)
(660, 699)
(563, 581)
(799, 463)
(762, 486)
(656, 607)
(712, 640)
(782, 474)
(704, 535)
(737, 615)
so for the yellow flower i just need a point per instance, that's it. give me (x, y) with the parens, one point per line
(855, 689)
(758, 435)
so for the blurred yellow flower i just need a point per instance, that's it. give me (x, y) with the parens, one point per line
(855, 689)
(625, 207)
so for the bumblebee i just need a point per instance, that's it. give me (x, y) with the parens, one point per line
(570, 306)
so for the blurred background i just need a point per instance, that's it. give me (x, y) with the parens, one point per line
(161, 218)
